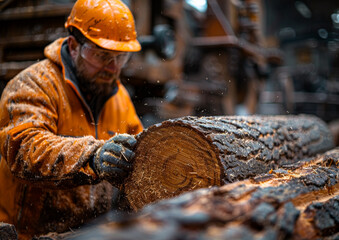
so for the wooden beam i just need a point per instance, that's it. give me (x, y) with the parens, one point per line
(47, 10)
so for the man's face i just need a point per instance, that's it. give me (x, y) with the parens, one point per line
(98, 69)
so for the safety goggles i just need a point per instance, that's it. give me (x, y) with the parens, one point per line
(100, 57)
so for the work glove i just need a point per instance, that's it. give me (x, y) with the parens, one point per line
(112, 162)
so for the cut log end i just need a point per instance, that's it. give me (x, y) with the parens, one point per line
(179, 159)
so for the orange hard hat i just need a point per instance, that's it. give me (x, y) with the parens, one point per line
(107, 23)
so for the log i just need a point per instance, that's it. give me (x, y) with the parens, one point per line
(288, 204)
(56, 236)
(189, 153)
(7, 232)
(334, 129)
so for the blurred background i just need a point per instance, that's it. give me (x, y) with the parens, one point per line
(205, 57)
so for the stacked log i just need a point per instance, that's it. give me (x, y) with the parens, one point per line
(189, 153)
(7, 232)
(283, 204)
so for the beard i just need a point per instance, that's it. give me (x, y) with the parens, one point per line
(90, 86)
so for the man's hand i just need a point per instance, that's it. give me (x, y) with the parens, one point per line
(112, 161)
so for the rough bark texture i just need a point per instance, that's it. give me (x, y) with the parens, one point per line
(283, 204)
(189, 153)
(7, 232)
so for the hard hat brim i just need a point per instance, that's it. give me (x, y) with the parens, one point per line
(123, 46)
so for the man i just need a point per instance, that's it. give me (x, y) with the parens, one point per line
(54, 118)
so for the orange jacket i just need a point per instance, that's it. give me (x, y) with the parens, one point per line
(47, 136)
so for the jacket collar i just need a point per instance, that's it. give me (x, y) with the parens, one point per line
(52, 51)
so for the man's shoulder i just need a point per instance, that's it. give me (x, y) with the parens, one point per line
(43, 74)
(122, 89)
(41, 68)
(53, 50)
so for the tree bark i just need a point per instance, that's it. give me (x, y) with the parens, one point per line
(190, 153)
(282, 204)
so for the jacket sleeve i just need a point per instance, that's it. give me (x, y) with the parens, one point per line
(28, 135)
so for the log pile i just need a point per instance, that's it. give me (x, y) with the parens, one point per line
(282, 204)
(189, 153)
(236, 177)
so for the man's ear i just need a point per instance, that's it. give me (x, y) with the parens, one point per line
(73, 47)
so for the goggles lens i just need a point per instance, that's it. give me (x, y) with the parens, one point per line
(100, 57)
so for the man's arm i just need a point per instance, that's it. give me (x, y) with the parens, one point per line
(28, 128)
